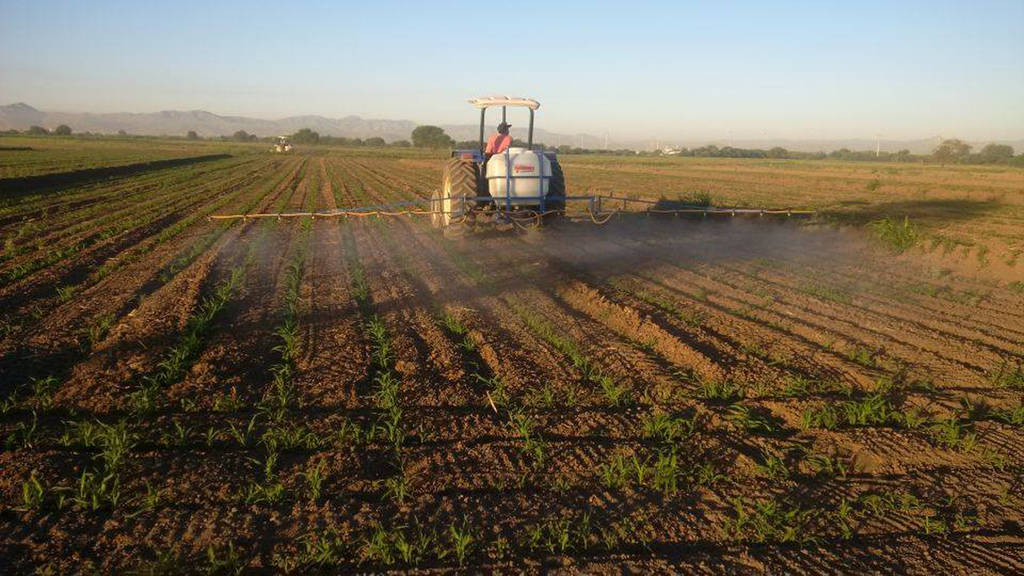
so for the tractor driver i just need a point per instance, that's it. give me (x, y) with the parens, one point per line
(500, 141)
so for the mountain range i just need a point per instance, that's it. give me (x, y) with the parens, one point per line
(21, 116)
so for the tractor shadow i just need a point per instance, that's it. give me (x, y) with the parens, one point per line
(633, 243)
(859, 212)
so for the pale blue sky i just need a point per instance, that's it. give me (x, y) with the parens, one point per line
(636, 69)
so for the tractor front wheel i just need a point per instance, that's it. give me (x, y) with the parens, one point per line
(436, 209)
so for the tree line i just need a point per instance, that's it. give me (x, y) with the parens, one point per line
(951, 151)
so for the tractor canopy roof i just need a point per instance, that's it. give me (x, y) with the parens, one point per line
(491, 101)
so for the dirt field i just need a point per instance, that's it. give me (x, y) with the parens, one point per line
(652, 395)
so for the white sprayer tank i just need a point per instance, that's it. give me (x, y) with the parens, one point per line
(530, 173)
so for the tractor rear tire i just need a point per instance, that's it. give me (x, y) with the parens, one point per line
(554, 200)
(458, 189)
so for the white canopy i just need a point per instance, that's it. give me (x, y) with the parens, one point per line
(491, 101)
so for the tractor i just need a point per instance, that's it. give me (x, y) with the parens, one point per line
(519, 185)
(518, 188)
(282, 145)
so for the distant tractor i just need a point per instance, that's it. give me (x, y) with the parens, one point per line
(282, 145)
(517, 185)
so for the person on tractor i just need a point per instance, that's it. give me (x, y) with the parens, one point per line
(500, 141)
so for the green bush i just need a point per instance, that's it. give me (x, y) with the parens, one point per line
(899, 236)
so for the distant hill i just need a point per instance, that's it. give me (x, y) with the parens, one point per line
(20, 116)
(178, 122)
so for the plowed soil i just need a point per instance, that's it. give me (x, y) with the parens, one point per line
(363, 395)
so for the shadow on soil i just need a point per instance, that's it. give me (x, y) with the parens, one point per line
(950, 210)
(13, 187)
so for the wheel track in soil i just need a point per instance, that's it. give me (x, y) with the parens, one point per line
(460, 295)
(498, 459)
(588, 459)
(414, 334)
(236, 359)
(334, 354)
(442, 459)
(449, 383)
(435, 361)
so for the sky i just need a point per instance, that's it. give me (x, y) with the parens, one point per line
(633, 69)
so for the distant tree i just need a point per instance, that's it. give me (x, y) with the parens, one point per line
(37, 130)
(192, 135)
(356, 142)
(995, 154)
(951, 151)
(778, 152)
(401, 143)
(375, 141)
(706, 151)
(431, 137)
(122, 133)
(242, 136)
(65, 130)
(306, 136)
